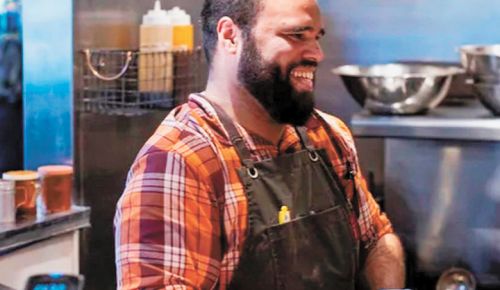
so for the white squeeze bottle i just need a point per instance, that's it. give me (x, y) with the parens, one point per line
(183, 36)
(155, 45)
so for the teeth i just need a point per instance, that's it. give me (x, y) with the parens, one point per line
(305, 75)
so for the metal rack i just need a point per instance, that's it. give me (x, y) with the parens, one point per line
(129, 83)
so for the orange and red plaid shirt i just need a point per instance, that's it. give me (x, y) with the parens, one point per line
(182, 219)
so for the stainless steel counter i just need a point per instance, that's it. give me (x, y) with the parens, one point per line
(439, 176)
(28, 231)
(459, 123)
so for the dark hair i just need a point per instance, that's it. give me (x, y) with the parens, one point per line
(242, 12)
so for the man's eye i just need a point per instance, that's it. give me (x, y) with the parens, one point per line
(297, 36)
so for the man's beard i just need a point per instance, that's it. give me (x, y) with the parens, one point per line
(272, 88)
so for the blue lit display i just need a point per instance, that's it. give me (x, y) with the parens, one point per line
(10, 16)
(48, 82)
(51, 286)
(55, 275)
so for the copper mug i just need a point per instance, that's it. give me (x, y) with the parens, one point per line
(27, 189)
(57, 187)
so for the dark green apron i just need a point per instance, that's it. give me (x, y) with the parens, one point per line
(316, 249)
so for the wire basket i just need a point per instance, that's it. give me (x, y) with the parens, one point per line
(123, 82)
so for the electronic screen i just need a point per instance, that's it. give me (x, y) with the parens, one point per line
(55, 282)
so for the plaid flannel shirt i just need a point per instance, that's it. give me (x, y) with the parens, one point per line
(182, 218)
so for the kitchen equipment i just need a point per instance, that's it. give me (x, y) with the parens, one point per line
(7, 201)
(110, 78)
(481, 61)
(397, 88)
(183, 30)
(489, 95)
(27, 189)
(57, 187)
(155, 61)
(55, 281)
(460, 92)
(456, 279)
(440, 183)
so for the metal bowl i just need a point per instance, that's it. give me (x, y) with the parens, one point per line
(481, 61)
(489, 95)
(397, 88)
(456, 279)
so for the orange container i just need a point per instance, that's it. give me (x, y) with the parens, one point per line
(26, 190)
(183, 37)
(57, 187)
(183, 34)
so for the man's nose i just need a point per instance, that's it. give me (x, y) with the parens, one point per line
(314, 52)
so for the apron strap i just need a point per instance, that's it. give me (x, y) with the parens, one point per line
(234, 136)
(349, 171)
(304, 140)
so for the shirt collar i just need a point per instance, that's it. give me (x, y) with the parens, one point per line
(289, 138)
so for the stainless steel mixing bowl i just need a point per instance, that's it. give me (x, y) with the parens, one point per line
(489, 95)
(482, 62)
(397, 88)
(456, 279)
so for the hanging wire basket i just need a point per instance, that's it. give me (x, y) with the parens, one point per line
(129, 83)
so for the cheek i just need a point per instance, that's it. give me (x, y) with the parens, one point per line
(279, 51)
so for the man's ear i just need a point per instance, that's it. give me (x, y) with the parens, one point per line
(228, 34)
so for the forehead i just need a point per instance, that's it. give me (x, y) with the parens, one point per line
(278, 14)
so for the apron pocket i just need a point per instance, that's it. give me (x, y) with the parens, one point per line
(315, 252)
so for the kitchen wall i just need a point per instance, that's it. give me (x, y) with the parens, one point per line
(362, 32)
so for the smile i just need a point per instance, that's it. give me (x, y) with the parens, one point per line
(302, 78)
(304, 74)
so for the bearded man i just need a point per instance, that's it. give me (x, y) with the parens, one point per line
(247, 186)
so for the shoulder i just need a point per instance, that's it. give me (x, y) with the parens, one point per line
(339, 132)
(181, 138)
(178, 159)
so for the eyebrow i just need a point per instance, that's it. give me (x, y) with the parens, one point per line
(300, 29)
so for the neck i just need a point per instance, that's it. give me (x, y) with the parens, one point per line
(242, 107)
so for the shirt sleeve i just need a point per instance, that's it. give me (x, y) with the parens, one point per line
(167, 226)
(373, 223)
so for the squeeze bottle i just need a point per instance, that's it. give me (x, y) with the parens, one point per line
(155, 45)
(183, 36)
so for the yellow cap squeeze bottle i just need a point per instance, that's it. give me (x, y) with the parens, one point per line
(283, 215)
(183, 35)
